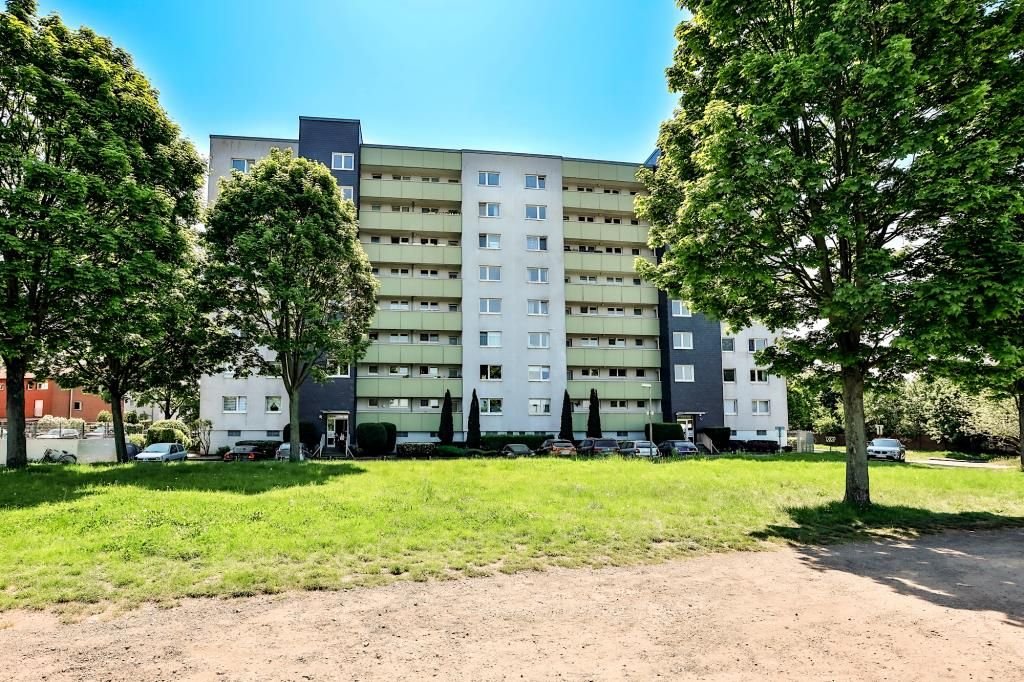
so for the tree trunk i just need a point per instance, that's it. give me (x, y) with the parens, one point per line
(117, 419)
(167, 406)
(293, 421)
(1019, 400)
(857, 490)
(17, 451)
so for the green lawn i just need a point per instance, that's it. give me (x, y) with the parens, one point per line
(156, 532)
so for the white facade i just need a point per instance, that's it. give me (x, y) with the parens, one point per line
(746, 411)
(531, 400)
(224, 149)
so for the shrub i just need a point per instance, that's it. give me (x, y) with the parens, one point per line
(417, 449)
(449, 451)
(372, 438)
(660, 431)
(719, 436)
(163, 434)
(131, 417)
(170, 424)
(309, 434)
(223, 450)
(50, 422)
(392, 435)
(137, 438)
(496, 441)
(104, 417)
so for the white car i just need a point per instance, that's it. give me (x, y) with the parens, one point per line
(98, 432)
(284, 451)
(162, 452)
(638, 448)
(887, 448)
(54, 434)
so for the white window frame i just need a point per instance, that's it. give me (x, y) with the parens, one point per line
(344, 157)
(756, 403)
(491, 334)
(753, 343)
(682, 340)
(483, 179)
(241, 404)
(680, 309)
(543, 275)
(247, 163)
(488, 307)
(487, 403)
(683, 373)
(541, 242)
(267, 404)
(542, 305)
(350, 191)
(486, 375)
(732, 403)
(535, 407)
(732, 341)
(540, 181)
(538, 373)
(484, 209)
(540, 212)
(334, 370)
(489, 270)
(544, 340)
(757, 373)
(487, 238)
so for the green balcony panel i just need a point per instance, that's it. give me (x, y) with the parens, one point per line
(409, 222)
(414, 190)
(414, 253)
(415, 321)
(611, 293)
(600, 262)
(592, 324)
(593, 201)
(412, 354)
(405, 421)
(598, 171)
(612, 421)
(605, 233)
(622, 389)
(400, 157)
(613, 357)
(420, 287)
(407, 387)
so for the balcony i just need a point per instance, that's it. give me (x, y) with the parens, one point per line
(594, 201)
(404, 420)
(611, 293)
(407, 387)
(415, 190)
(412, 354)
(410, 222)
(612, 389)
(421, 287)
(414, 321)
(415, 254)
(597, 171)
(613, 357)
(397, 157)
(599, 262)
(605, 233)
(594, 325)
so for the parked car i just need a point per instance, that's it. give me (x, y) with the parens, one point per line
(53, 434)
(284, 451)
(888, 448)
(682, 447)
(98, 432)
(516, 450)
(598, 446)
(251, 450)
(556, 446)
(162, 452)
(638, 448)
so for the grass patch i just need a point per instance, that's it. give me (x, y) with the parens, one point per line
(130, 533)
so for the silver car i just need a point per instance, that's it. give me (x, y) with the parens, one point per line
(638, 448)
(54, 434)
(887, 448)
(162, 452)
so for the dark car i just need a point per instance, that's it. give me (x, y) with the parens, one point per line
(598, 446)
(682, 447)
(516, 450)
(251, 450)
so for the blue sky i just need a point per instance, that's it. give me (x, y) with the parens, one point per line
(581, 78)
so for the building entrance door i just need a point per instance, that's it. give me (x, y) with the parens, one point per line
(337, 431)
(686, 421)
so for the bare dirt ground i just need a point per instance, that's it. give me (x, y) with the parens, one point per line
(947, 606)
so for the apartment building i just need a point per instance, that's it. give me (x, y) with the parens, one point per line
(509, 274)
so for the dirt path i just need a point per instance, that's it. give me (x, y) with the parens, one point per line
(944, 607)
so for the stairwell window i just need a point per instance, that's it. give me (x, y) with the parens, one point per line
(488, 178)
(342, 161)
(347, 193)
(684, 373)
(729, 376)
(537, 275)
(731, 407)
(234, 404)
(680, 309)
(728, 344)
(534, 212)
(682, 340)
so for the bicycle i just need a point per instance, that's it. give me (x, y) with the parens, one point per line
(51, 456)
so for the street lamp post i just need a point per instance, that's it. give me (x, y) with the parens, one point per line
(650, 407)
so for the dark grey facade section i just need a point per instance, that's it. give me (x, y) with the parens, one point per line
(703, 396)
(318, 139)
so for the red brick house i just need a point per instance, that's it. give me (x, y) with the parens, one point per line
(46, 397)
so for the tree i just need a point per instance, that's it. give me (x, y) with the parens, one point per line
(827, 160)
(446, 429)
(288, 268)
(92, 174)
(565, 430)
(179, 399)
(473, 426)
(594, 416)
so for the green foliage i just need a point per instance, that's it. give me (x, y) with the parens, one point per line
(372, 438)
(446, 429)
(309, 434)
(138, 439)
(565, 428)
(473, 426)
(47, 422)
(167, 434)
(450, 451)
(131, 417)
(223, 450)
(175, 424)
(659, 431)
(392, 435)
(103, 416)
(594, 416)
(416, 450)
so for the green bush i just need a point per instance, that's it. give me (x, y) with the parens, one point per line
(450, 451)
(170, 424)
(664, 431)
(494, 441)
(104, 417)
(163, 434)
(137, 438)
(309, 434)
(372, 438)
(416, 449)
(223, 450)
(392, 434)
(50, 422)
(719, 436)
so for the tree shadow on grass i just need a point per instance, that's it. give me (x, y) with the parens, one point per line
(901, 548)
(43, 484)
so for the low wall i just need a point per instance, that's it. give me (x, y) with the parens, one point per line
(87, 450)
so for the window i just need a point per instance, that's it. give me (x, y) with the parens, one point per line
(536, 306)
(490, 273)
(731, 406)
(234, 433)
(592, 372)
(490, 241)
(539, 406)
(534, 212)
(536, 181)
(243, 165)
(760, 407)
(76, 406)
(489, 209)
(534, 243)
(273, 434)
(537, 275)
(617, 342)
(613, 280)
(617, 372)
(397, 402)
(538, 373)
(682, 340)
(428, 371)
(588, 310)
(398, 370)
(680, 309)
(490, 306)
(588, 279)
(373, 370)
(430, 306)
(488, 178)
(430, 403)
(427, 337)
(684, 373)
(398, 337)
(618, 404)
(729, 376)
(538, 340)
(272, 404)
(490, 406)
(638, 312)
(616, 311)
(490, 339)
(347, 193)
(429, 274)
(613, 249)
(342, 161)
(375, 239)
(754, 345)
(490, 372)
(728, 344)
(759, 376)
(640, 373)
(234, 403)
(589, 342)
(454, 340)
(398, 305)
(453, 307)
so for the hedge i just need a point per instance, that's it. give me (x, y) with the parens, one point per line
(662, 431)
(417, 449)
(494, 441)
(372, 438)
(137, 438)
(392, 435)
(309, 434)
(170, 424)
(156, 434)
